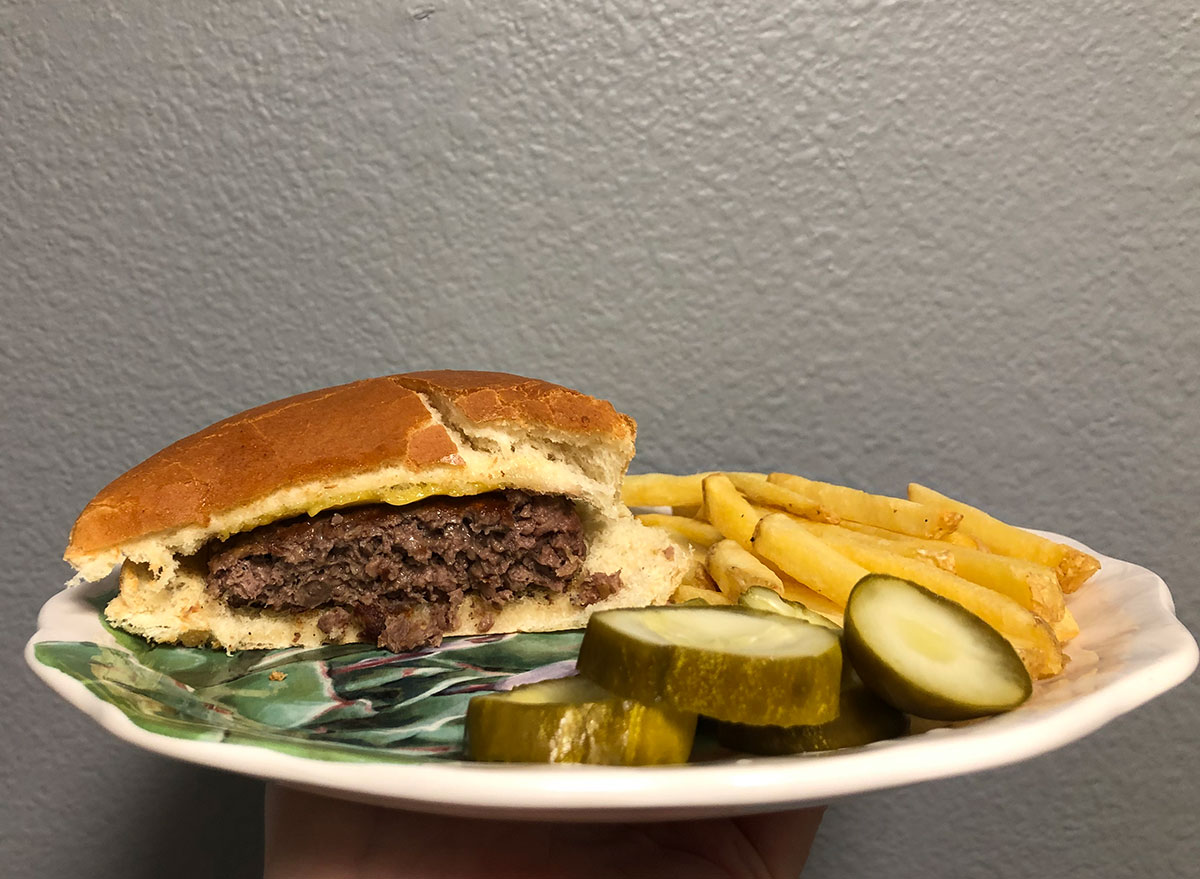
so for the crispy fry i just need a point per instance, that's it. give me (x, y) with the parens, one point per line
(728, 510)
(1066, 628)
(1030, 636)
(660, 490)
(1014, 576)
(786, 544)
(933, 551)
(1072, 566)
(814, 601)
(1033, 586)
(692, 530)
(666, 489)
(735, 570)
(769, 494)
(802, 553)
(959, 539)
(895, 514)
(689, 591)
(939, 557)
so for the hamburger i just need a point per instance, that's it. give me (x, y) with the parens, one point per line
(396, 510)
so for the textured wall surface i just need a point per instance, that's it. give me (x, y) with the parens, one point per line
(870, 241)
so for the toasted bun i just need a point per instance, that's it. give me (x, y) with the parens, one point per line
(395, 439)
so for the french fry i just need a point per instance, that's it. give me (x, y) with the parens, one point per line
(814, 601)
(1031, 636)
(728, 510)
(769, 494)
(666, 489)
(783, 532)
(1066, 628)
(735, 570)
(692, 530)
(933, 551)
(1072, 566)
(793, 589)
(787, 545)
(660, 490)
(1033, 586)
(689, 591)
(894, 514)
(938, 557)
(955, 537)
(1013, 576)
(958, 538)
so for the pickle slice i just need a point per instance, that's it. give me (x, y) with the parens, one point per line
(729, 663)
(770, 601)
(862, 718)
(928, 656)
(573, 720)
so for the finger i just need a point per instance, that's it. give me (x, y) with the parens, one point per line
(782, 839)
(313, 837)
(771, 846)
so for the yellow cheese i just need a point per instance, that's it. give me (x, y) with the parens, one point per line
(397, 496)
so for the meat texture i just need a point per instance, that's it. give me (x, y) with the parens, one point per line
(402, 572)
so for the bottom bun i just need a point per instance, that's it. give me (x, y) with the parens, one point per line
(181, 611)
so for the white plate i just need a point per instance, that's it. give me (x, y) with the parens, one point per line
(1131, 649)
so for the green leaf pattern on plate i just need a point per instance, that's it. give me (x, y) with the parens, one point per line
(350, 702)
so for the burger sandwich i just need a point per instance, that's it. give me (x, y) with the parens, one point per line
(396, 510)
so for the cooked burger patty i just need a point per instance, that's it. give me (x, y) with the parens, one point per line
(402, 572)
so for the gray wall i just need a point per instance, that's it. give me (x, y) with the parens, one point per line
(870, 241)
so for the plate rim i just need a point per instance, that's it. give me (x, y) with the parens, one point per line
(738, 786)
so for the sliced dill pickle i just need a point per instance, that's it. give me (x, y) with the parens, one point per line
(572, 720)
(729, 663)
(770, 601)
(862, 718)
(927, 655)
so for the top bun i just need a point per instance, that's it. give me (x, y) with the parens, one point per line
(394, 439)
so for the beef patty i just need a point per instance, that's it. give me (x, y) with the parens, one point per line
(402, 572)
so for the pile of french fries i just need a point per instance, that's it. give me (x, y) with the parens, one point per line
(812, 541)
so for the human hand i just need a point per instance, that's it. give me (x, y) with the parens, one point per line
(314, 837)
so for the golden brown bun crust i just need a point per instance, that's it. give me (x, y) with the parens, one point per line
(486, 397)
(321, 435)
